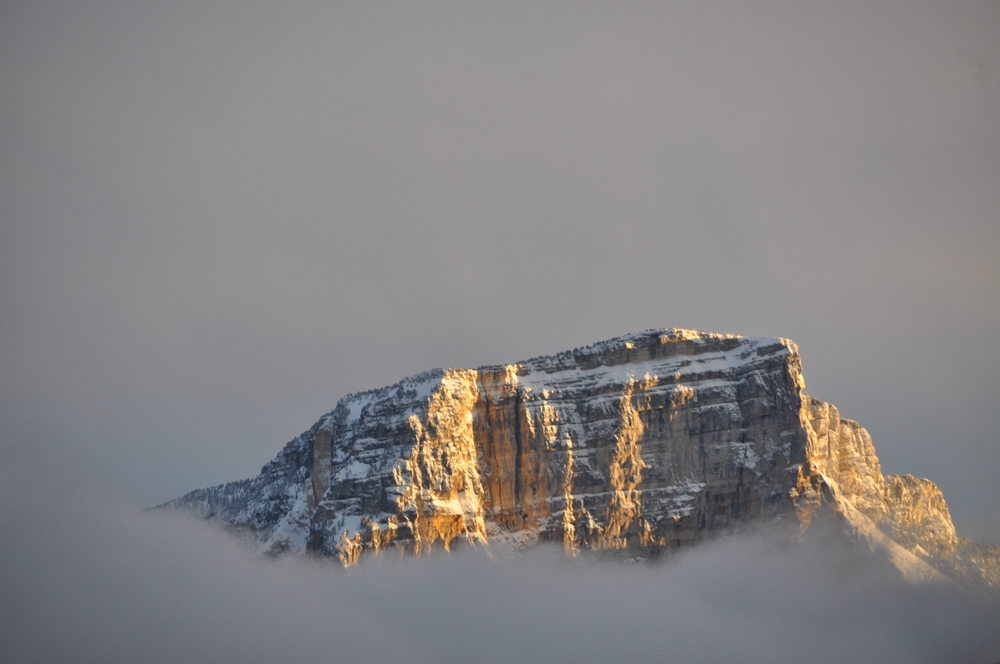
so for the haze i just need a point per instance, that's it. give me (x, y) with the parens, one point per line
(96, 583)
(217, 218)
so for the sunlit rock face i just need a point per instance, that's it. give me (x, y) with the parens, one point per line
(638, 445)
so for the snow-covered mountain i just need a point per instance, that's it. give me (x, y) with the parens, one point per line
(640, 445)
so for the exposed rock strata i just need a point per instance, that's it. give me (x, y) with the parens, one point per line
(643, 444)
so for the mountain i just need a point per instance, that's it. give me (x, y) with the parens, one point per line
(638, 445)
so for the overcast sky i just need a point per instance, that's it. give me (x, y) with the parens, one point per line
(220, 217)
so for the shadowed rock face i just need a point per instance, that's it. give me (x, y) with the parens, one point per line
(640, 444)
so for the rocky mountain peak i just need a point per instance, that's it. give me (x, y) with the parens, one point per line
(638, 445)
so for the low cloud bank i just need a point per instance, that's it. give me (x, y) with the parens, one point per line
(87, 580)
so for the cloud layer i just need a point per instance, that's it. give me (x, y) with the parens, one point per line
(88, 580)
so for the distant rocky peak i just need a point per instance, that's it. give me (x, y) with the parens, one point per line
(636, 446)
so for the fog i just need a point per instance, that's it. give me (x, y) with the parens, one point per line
(219, 217)
(89, 580)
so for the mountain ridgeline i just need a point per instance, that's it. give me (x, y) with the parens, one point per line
(638, 445)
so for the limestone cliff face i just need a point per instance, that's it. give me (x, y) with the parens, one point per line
(640, 444)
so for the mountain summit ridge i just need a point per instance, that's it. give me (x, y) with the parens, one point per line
(640, 444)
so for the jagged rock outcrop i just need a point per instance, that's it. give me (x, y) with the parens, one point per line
(641, 444)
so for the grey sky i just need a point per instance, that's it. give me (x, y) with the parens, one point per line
(220, 217)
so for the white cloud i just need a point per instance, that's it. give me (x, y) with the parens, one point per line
(87, 580)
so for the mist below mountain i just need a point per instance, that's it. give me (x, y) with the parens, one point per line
(90, 579)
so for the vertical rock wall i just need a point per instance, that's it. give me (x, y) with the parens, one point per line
(640, 444)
